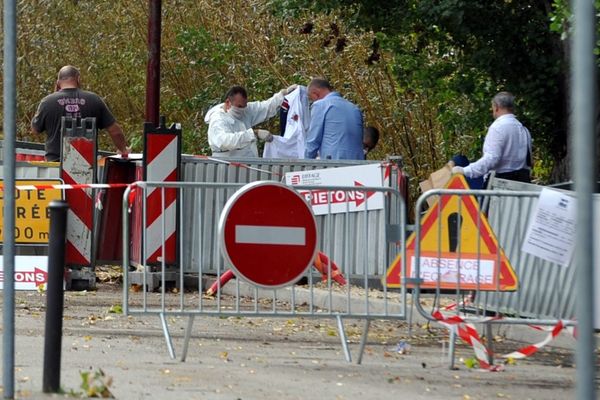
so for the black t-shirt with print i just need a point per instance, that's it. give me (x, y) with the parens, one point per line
(74, 103)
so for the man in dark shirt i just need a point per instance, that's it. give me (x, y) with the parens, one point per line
(370, 139)
(70, 101)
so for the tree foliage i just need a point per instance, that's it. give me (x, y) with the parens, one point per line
(423, 72)
(472, 49)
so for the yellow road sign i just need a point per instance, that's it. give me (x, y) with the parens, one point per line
(458, 248)
(32, 212)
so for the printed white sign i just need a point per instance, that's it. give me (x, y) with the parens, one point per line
(339, 201)
(551, 231)
(446, 270)
(30, 272)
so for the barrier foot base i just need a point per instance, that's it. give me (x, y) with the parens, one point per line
(168, 340)
(342, 333)
(410, 314)
(363, 341)
(186, 341)
(80, 279)
(151, 281)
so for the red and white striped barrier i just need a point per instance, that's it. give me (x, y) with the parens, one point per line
(78, 161)
(161, 166)
(162, 160)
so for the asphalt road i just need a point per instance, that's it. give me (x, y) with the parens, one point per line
(264, 358)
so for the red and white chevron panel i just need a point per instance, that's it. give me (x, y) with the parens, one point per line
(161, 204)
(77, 168)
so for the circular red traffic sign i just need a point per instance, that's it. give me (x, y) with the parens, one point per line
(268, 234)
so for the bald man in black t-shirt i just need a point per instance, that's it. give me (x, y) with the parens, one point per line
(70, 101)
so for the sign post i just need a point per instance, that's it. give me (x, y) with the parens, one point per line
(268, 234)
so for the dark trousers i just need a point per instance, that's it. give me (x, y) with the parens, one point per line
(520, 175)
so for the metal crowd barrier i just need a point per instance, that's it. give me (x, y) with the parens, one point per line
(311, 297)
(546, 289)
(246, 170)
(544, 292)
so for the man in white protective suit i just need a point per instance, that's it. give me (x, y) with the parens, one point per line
(292, 143)
(230, 124)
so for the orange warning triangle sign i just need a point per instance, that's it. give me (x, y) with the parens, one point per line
(458, 249)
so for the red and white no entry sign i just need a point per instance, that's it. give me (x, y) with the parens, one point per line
(268, 234)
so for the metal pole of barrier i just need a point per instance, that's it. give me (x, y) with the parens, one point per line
(55, 296)
(10, 127)
(583, 123)
(452, 348)
(125, 245)
(490, 343)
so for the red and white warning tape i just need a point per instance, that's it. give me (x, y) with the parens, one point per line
(118, 185)
(531, 349)
(75, 186)
(467, 332)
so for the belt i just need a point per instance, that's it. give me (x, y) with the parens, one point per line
(520, 175)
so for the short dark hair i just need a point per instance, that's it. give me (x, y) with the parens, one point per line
(236, 90)
(504, 100)
(372, 133)
(68, 72)
(320, 83)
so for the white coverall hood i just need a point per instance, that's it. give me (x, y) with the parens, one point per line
(213, 110)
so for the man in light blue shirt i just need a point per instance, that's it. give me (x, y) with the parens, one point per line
(336, 125)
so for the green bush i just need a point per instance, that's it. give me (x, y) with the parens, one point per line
(408, 90)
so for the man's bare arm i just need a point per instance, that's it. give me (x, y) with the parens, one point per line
(118, 138)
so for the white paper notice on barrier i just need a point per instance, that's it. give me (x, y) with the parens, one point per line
(551, 231)
(30, 272)
(339, 201)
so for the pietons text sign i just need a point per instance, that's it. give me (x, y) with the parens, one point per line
(31, 272)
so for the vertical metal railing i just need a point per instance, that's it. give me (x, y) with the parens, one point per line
(10, 130)
(530, 303)
(311, 299)
(583, 138)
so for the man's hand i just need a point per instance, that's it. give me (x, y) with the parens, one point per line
(458, 170)
(289, 89)
(125, 153)
(264, 134)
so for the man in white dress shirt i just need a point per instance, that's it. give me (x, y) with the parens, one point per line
(507, 145)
